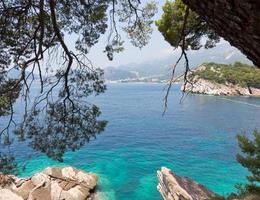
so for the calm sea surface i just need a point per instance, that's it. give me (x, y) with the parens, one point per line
(196, 138)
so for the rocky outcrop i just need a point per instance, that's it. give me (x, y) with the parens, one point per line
(202, 86)
(51, 184)
(173, 187)
(202, 81)
(237, 21)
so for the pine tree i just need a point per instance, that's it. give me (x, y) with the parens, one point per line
(47, 43)
(171, 26)
(250, 158)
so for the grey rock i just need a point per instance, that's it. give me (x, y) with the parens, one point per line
(173, 187)
(52, 184)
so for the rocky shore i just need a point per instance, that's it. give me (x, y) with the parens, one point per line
(202, 86)
(215, 79)
(51, 184)
(173, 187)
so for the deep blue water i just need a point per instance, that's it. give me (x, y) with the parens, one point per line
(196, 138)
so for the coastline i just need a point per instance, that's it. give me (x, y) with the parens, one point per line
(133, 160)
(206, 87)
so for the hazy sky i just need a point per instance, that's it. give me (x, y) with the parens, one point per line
(157, 48)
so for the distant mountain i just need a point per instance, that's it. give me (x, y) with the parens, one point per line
(112, 74)
(161, 68)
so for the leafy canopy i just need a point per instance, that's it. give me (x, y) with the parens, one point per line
(183, 28)
(196, 29)
(59, 117)
(250, 158)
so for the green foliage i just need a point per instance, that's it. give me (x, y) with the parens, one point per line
(9, 97)
(250, 159)
(33, 40)
(238, 73)
(140, 30)
(7, 164)
(171, 26)
(66, 125)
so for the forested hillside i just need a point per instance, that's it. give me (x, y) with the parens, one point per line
(237, 74)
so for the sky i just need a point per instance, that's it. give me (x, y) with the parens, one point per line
(157, 48)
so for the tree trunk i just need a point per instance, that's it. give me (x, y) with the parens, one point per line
(237, 21)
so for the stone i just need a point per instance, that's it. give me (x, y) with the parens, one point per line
(53, 171)
(6, 194)
(40, 179)
(41, 192)
(65, 183)
(252, 197)
(24, 189)
(173, 187)
(6, 180)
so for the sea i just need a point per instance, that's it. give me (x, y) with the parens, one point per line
(195, 137)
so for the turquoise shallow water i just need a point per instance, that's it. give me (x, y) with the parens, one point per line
(195, 139)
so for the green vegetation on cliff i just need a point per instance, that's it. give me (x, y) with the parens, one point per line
(237, 74)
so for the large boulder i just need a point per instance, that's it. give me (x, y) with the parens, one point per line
(51, 184)
(173, 187)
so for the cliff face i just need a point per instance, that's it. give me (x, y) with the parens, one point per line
(173, 187)
(237, 21)
(202, 86)
(52, 184)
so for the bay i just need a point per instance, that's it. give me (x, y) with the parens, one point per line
(195, 138)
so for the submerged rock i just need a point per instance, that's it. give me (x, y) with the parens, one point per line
(173, 187)
(51, 184)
